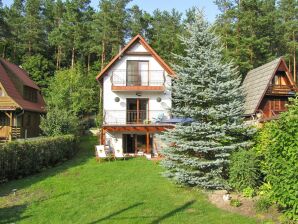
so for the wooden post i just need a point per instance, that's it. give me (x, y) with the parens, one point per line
(147, 142)
(135, 137)
(103, 136)
(10, 124)
(138, 110)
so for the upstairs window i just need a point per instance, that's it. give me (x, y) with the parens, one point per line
(137, 73)
(30, 94)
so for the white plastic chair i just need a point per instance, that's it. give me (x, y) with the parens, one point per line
(118, 154)
(100, 152)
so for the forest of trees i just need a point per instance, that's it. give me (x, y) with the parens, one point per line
(44, 36)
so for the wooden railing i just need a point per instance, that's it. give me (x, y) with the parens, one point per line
(15, 132)
(281, 89)
(136, 117)
(138, 78)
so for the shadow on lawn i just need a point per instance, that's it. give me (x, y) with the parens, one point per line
(116, 213)
(156, 221)
(12, 214)
(85, 152)
(173, 212)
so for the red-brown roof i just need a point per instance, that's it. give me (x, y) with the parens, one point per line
(143, 42)
(11, 90)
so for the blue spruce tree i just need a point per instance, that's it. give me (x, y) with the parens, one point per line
(208, 91)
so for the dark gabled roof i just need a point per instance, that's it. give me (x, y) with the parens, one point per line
(8, 84)
(256, 84)
(142, 41)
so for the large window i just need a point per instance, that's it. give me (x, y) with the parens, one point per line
(137, 73)
(30, 94)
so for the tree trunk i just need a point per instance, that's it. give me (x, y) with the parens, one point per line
(88, 62)
(294, 59)
(3, 52)
(30, 48)
(103, 54)
(72, 57)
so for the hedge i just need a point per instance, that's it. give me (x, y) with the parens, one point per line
(278, 146)
(22, 158)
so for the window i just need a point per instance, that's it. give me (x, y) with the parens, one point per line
(137, 73)
(30, 94)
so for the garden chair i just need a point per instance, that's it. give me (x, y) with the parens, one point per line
(100, 153)
(119, 155)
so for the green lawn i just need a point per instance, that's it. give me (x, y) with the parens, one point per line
(84, 191)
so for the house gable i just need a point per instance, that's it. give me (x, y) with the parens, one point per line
(265, 83)
(15, 81)
(141, 48)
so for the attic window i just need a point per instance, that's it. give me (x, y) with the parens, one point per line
(30, 94)
(1, 92)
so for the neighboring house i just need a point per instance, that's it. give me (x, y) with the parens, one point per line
(267, 90)
(21, 103)
(136, 98)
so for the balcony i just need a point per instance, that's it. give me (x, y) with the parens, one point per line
(140, 80)
(287, 90)
(128, 117)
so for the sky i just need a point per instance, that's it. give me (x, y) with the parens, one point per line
(181, 5)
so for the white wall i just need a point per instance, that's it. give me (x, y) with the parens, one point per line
(115, 111)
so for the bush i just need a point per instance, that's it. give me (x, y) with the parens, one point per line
(244, 170)
(248, 192)
(263, 204)
(21, 158)
(280, 156)
(280, 159)
(59, 122)
(235, 203)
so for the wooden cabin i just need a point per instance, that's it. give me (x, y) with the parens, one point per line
(21, 103)
(267, 90)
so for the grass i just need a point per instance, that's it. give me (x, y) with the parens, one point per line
(84, 191)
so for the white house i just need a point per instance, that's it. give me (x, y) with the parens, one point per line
(136, 98)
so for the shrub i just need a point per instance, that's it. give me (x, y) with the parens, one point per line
(263, 204)
(248, 192)
(21, 158)
(280, 159)
(244, 170)
(235, 203)
(59, 122)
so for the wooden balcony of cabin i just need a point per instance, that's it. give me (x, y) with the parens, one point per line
(287, 90)
(140, 80)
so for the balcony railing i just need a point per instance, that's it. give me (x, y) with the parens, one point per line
(281, 90)
(119, 117)
(138, 78)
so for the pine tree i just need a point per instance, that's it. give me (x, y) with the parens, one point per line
(33, 36)
(163, 33)
(207, 91)
(15, 20)
(4, 31)
(288, 29)
(248, 31)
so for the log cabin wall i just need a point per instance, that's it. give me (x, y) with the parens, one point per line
(29, 122)
(273, 105)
